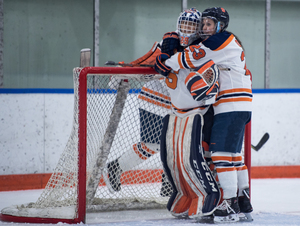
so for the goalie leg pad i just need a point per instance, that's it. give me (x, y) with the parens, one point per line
(139, 153)
(179, 201)
(202, 170)
(190, 174)
(145, 150)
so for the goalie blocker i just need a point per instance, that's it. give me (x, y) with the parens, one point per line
(195, 191)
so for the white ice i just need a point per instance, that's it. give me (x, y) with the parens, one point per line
(275, 202)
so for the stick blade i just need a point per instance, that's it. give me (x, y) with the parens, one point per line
(262, 141)
(110, 63)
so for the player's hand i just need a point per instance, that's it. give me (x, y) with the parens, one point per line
(170, 43)
(160, 67)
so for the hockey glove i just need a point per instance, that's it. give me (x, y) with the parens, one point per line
(214, 92)
(170, 43)
(201, 83)
(160, 67)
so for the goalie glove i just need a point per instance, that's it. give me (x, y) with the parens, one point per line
(171, 43)
(160, 67)
(201, 83)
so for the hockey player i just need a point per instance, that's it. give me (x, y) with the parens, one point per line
(232, 108)
(192, 90)
(150, 122)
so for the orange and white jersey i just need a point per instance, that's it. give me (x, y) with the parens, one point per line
(154, 98)
(183, 102)
(235, 91)
(171, 94)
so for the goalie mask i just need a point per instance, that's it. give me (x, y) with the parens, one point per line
(220, 18)
(188, 26)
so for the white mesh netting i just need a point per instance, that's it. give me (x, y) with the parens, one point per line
(141, 185)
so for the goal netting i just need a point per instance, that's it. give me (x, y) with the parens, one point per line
(107, 122)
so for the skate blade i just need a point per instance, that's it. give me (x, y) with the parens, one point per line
(227, 219)
(245, 217)
(206, 219)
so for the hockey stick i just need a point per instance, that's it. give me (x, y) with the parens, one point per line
(107, 140)
(128, 65)
(145, 65)
(262, 141)
(110, 132)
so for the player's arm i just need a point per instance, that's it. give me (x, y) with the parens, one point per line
(169, 47)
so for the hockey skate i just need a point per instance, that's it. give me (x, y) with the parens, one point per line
(113, 171)
(227, 211)
(166, 187)
(245, 207)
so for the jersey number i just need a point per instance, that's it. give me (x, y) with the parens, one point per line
(198, 53)
(184, 41)
(171, 80)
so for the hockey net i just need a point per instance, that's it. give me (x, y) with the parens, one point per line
(106, 123)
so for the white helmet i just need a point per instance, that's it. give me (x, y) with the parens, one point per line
(188, 26)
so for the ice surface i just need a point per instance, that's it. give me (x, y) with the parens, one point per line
(275, 202)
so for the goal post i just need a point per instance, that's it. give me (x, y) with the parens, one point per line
(65, 196)
(107, 122)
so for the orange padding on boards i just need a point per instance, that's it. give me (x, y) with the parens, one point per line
(39, 181)
(23, 181)
(275, 172)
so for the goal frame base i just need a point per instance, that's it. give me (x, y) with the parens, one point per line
(33, 220)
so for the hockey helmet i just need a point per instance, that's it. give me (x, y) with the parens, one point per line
(219, 15)
(188, 26)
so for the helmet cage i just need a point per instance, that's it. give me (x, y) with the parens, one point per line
(188, 26)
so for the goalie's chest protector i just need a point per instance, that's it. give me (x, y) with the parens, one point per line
(182, 157)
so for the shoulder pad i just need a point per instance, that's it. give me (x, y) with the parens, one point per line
(215, 41)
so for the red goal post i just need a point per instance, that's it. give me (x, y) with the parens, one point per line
(77, 186)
